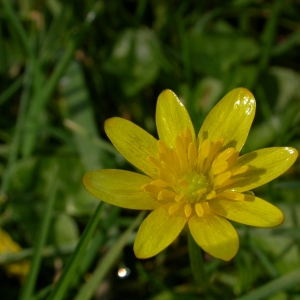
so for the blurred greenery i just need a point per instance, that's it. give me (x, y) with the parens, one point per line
(65, 67)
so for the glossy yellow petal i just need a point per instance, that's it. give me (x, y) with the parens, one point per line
(158, 231)
(215, 235)
(120, 188)
(264, 165)
(134, 143)
(171, 118)
(230, 119)
(252, 211)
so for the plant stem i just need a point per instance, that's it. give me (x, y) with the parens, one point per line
(196, 262)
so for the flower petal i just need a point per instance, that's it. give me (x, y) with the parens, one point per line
(215, 235)
(252, 211)
(120, 188)
(231, 119)
(172, 118)
(134, 143)
(158, 231)
(264, 165)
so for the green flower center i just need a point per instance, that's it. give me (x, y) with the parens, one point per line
(193, 186)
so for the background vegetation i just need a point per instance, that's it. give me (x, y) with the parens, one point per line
(65, 67)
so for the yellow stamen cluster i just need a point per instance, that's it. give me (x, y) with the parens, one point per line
(190, 175)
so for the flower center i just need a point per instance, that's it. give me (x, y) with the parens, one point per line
(191, 175)
(192, 185)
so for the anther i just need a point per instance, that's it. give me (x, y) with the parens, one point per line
(239, 170)
(188, 136)
(162, 147)
(160, 183)
(226, 183)
(181, 152)
(199, 210)
(183, 182)
(213, 152)
(219, 167)
(221, 179)
(211, 195)
(226, 154)
(165, 176)
(151, 188)
(203, 154)
(166, 195)
(179, 197)
(192, 154)
(176, 162)
(200, 193)
(187, 210)
(233, 158)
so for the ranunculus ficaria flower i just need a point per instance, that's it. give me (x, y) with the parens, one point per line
(196, 181)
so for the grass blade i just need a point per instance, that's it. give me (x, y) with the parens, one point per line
(27, 291)
(64, 282)
(13, 153)
(277, 285)
(105, 264)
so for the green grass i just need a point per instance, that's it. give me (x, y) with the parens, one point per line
(67, 66)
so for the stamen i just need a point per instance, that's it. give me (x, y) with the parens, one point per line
(232, 195)
(160, 183)
(219, 167)
(165, 155)
(205, 148)
(166, 195)
(239, 170)
(189, 177)
(203, 154)
(214, 150)
(165, 176)
(166, 161)
(226, 154)
(151, 189)
(174, 207)
(179, 197)
(232, 159)
(226, 183)
(221, 179)
(211, 195)
(183, 182)
(181, 152)
(176, 162)
(188, 136)
(200, 193)
(187, 210)
(192, 153)
(199, 210)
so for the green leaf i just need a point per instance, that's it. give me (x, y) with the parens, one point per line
(65, 229)
(216, 54)
(80, 111)
(135, 59)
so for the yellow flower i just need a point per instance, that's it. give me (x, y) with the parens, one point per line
(19, 269)
(199, 181)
